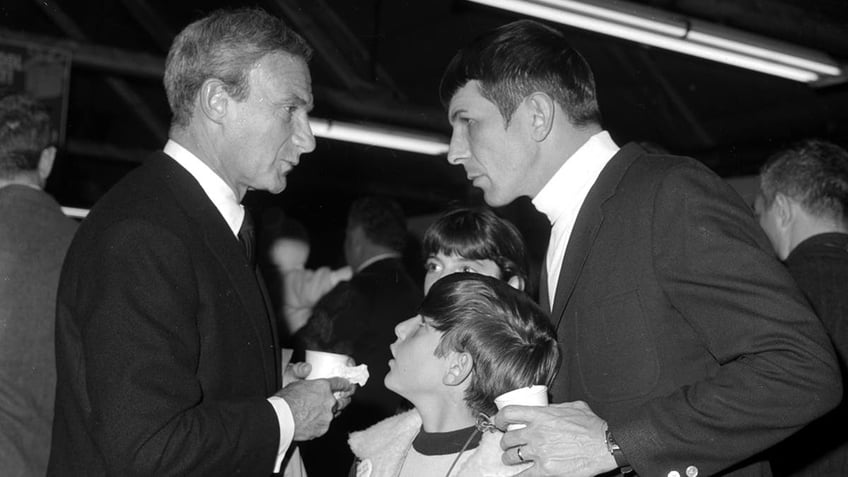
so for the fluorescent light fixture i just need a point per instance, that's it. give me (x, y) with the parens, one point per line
(75, 212)
(381, 136)
(692, 37)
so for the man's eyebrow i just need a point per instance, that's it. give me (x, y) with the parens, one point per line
(455, 113)
(297, 101)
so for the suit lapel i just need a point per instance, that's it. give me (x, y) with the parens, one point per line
(585, 229)
(224, 245)
(587, 225)
(544, 296)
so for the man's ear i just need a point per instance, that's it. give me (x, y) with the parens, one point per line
(460, 366)
(516, 282)
(784, 209)
(45, 163)
(542, 109)
(213, 100)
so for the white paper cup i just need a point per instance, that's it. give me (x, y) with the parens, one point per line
(536, 395)
(324, 364)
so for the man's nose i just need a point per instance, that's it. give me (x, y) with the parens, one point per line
(458, 148)
(304, 137)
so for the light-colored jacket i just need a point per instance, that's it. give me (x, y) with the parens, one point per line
(380, 450)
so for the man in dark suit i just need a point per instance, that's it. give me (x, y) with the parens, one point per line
(687, 347)
(168, 359)
(358, 318)
(34, 236)
(803, 208)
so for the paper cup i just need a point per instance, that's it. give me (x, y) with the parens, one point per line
(324, 364)
(536, 395)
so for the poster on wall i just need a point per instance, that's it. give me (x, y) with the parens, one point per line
(41, 72)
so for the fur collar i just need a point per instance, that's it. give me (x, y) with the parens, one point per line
(381, 447)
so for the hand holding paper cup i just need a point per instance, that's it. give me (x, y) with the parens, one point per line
(536, 395)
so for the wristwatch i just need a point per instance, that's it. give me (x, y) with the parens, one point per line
(616, 452)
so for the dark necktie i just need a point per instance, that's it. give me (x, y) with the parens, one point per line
(247, 237)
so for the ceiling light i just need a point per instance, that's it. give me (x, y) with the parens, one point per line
(75, 212)
(692, 37)
(381, 136)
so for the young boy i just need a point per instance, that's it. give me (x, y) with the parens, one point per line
(475, 338)
(474, 240)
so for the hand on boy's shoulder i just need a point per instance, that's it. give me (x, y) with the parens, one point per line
(562, 439)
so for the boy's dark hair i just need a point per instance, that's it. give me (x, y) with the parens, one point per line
(812, 172)
(521, 58)
(510, 339)
(478, 234)
(382, 219)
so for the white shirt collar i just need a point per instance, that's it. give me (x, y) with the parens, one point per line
(563, 196)
(221, 195)
(578, 173)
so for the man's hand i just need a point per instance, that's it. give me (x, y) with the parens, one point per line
(561, 439)
(313, 405)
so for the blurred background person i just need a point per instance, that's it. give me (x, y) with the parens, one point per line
(803, 208)
(34, 236)
(358, 318)
(294, 288)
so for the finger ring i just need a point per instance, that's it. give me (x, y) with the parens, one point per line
(518, 451)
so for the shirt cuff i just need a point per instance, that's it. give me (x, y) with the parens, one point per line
(286, 422)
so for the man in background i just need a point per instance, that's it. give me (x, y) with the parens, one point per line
(358, 318)
(34, 236)
(803, 208)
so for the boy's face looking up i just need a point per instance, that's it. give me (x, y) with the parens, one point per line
(415, 370)
(440, 265)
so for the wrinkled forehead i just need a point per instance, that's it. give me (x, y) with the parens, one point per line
(282, 75)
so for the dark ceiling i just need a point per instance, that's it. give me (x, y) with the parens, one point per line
(380, 61)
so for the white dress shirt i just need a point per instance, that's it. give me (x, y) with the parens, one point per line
(562, 197)
(227, 204)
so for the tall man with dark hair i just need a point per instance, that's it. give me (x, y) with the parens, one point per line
(358, 318)
(687, 347)
(169, 362)
(803, 208)
(34, 236)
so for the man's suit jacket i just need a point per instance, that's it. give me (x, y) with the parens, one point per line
(34, 236)
(166, 352)
(679, 326)
(358, 317)
(820, 266)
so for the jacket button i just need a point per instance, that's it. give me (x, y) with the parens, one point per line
(691, 471)
(674, 473)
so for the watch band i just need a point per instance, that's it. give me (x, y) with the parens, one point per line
(617, 453)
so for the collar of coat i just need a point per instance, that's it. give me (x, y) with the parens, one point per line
(380, 450)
